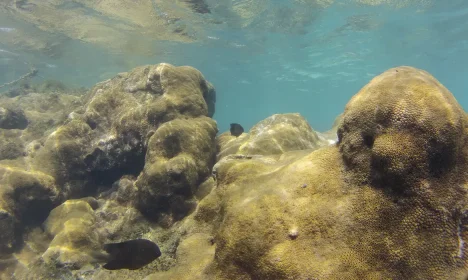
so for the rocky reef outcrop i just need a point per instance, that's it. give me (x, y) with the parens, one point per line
(142, 142)
(27, 195)
(139, 158)
(387, 201)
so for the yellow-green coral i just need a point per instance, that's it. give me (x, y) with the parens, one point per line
(389, 201)
(29, 196)
(63, 152)
(179, 157)
(195, 254)
(382, 204)
(402, 109)
(277, 134)
(75, 241)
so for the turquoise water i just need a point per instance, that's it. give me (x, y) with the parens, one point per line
(272, 64)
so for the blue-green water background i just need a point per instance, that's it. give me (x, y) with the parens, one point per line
(258, 72)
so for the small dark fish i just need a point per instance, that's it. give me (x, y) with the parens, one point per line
(236, 129)
(132, 254)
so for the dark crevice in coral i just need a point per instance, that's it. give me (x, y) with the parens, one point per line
(391, 183)
(125, 156)
(171, 145)
(155, 209)
(152, 208)
(92, 124)
(34, 215)
(180, 207)
(18, 242)
(368, 141)
(35, 206)
(132, 165)
(13, 118)
(441, 158)
(37, 212)
(199, 6)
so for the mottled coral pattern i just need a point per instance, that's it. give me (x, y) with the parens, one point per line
(140, 158)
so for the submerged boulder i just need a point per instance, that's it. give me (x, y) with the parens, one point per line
(10, 147)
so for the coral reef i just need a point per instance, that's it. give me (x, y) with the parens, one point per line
(72, 227)
(403, 127)
(109, 137)
(139, 158)
(26, 198)
(353, 210)
(275, 135)
(180, 156)
(151, 125)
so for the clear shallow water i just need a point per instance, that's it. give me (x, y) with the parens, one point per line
(283, 57)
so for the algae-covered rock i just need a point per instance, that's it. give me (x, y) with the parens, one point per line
(26, 195)
(275, 135)
(27, 119)
(62, 154)
(388, 201)
(79, 228)
(43, 112)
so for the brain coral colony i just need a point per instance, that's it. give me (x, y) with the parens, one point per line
(136, 162)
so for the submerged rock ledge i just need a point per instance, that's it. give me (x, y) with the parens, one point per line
(138, 157)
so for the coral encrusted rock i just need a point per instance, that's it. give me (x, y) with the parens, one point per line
(403, 127)
(11, 118)
(78, 229)
(29, 196)
(180, 156)
(25, 201)
(388, 201)
(144, 136)
(277, 134)
(108, 138)
(26, 195)
(72, 226)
